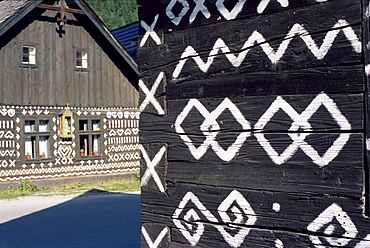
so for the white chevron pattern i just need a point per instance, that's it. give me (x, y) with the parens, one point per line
(257, 39)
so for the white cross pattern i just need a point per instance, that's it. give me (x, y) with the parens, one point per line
(199, 8)
(210, 129)
(150, 95)
(150, 32)
(157, 241)
(150, 171)
(301, 120)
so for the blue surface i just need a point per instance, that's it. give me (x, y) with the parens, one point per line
(104, 221)
(128, 37)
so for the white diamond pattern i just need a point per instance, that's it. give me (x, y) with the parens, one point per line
(210, 129)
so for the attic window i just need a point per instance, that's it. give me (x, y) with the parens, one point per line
(29, 55)
(81, 59)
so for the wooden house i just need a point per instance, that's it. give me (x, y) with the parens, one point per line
(68, 98)
(255, 123)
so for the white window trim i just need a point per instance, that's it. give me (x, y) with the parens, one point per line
(31, 55)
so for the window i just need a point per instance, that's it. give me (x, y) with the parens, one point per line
(29, 55)
(89, 137)
(81, 59)
(36, 138)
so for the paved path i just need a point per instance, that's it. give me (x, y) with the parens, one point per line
(89, 220)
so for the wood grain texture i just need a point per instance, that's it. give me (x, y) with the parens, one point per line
(150, 8)
(316, 19)
(266, 137)
(54, 79)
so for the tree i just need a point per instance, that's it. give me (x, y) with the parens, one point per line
(115, 13)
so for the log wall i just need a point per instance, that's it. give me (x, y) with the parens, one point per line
(254, 123)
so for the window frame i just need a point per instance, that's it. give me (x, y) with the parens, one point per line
(29, 63)
(37, 134)
(76, 59)
(89, 132)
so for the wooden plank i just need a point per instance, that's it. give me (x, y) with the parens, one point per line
(154, 166)
(366, 38)
(157, 85)
(273, 215)
(43, 50)
(70, 94)
(348, 79)
(253, 108)
(57, 8)
(217, 12)
(318, 22)
(253, 166)
(276, 126)
(96, 52)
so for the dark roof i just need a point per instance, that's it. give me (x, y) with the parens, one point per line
(11, 11)
(128, 37)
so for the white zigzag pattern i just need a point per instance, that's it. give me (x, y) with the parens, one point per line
(80, 168)
(123, 148)
(67, 174)
(256, 38)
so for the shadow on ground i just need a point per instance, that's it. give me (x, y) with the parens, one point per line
(94, 219)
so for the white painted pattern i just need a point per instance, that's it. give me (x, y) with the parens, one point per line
(6, 134)
(157, 241)
(210, 129)
(177, 19)
(230, 15)
(193, 228)
(256, 38)
(6, 124)
(123, 156)
(327, 216)
(263, 4)
(150, 95)
(150, 171)
(365, 243)
(279, 243)
(37, 173)
(235, 196)
(301, 121)
(7, 144)
(276, 207)
(199, 7)
(122, 148)
(7, 153)
(367, 70)
(67, 174)
(150, 32)
(196, 227)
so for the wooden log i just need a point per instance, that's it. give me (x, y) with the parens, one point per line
(233, 37)
(263, 120)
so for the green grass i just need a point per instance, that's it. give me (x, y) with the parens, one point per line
(27, 188)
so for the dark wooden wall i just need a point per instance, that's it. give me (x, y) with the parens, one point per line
(54, 80)
(254, 123)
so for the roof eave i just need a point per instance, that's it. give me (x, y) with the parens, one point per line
(108, 36)
(8, 23)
